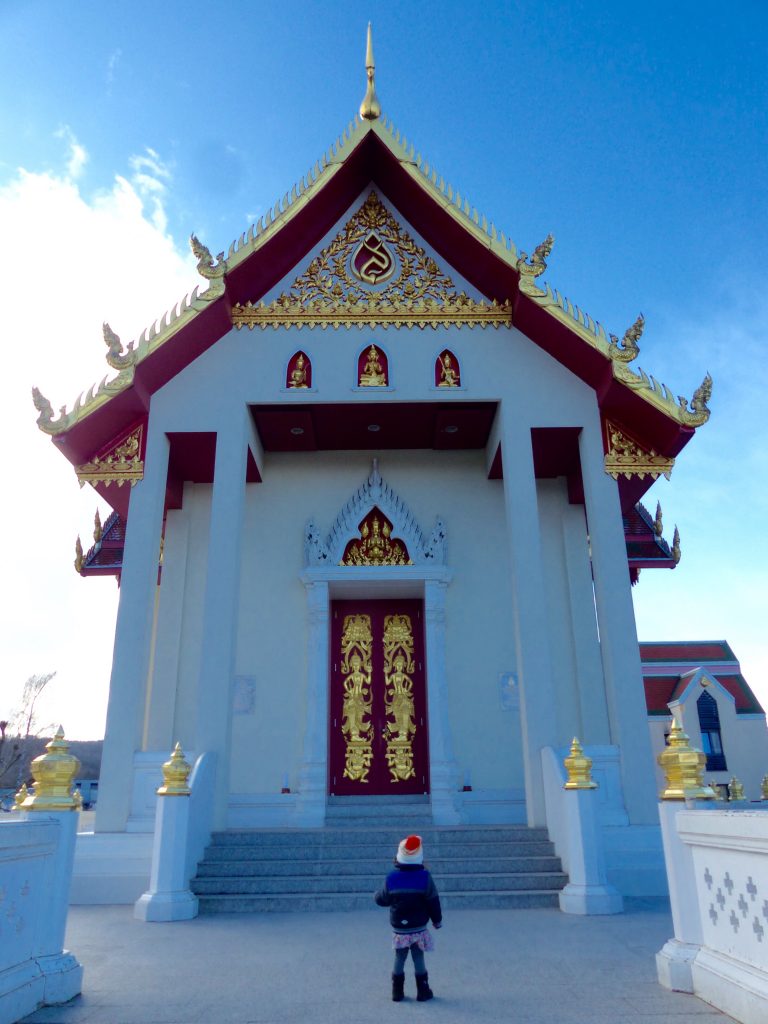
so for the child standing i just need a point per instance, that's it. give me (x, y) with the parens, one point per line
(413, 900)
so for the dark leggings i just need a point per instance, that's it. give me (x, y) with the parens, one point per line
(401, 955)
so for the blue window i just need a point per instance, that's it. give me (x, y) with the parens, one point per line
(711, 740)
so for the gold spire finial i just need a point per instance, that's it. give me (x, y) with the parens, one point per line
(579, 768)
(54, 774)
(175, 775)
(370, 108)
(683, 768)
(735, 790)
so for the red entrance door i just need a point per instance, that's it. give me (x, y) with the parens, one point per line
(378, 741)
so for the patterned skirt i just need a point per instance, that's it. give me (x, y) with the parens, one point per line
(422, 939)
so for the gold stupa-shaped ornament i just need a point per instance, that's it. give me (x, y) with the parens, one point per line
(20, 797)
(735, 790)
(683, 768)
(579, 768)
(370, 108)
(175, 775)
(54, 774)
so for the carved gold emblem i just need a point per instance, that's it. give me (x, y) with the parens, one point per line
(372, 261)
(356, 642)
(401, 723)
(376, 545)
(336, 288)
(627, 458)
(373, 374)
(121, 464)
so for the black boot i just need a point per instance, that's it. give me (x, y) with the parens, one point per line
(423, 991)
(398, 981)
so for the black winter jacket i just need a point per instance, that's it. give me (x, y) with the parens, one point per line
(412, 897)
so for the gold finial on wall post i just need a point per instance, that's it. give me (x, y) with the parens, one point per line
(683, 768)
(20, 797)
(735, 790)
(175, 774)
(370, 108)
(579, 768)
(54, 774)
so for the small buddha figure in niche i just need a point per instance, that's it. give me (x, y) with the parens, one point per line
(297, 378)
(449, 374)
(373, 375)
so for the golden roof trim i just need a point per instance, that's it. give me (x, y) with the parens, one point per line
(259, 233)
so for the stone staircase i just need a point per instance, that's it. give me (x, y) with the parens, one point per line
(340, 866)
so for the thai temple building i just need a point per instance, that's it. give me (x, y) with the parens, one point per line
(376, 516)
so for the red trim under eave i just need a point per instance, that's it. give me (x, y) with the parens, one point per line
(372, 161)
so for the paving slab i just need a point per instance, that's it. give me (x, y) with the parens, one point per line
(526, 966)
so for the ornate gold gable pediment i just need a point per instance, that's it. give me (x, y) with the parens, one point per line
(121, 463)
(372, 273)
(625, 457)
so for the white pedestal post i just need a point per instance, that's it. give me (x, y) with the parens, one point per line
(62, 973)
(443, 770)
(531, 620)
(133, 637)
(588, 891)
(674, 960)
(169, 897)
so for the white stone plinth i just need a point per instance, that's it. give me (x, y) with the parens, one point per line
(169, 897)
(588, 891)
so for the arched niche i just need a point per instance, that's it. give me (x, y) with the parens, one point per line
(447, 370)
(372, 367)
(298, 374)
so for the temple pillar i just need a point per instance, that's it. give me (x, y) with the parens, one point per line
(586, 646)
(213, 723)
(133, 637)
(313, 772)
(619, 650)
(443, 770)
(529, 606)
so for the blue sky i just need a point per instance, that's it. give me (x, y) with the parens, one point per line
(636, 134)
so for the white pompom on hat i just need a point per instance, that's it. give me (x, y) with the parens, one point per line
(410, 851)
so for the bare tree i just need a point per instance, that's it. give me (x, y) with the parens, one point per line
(22, 726)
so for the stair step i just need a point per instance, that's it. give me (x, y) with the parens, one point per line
(379, 866)
(367, 884)
(290, 903)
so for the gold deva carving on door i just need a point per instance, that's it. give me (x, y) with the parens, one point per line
(372, 272)
(356, 670)
(401, 725)
(376, 545)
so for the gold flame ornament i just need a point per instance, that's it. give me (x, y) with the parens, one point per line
(54, 774)
(370, 108)
(175, 774)
(579, 768)
(683, 768)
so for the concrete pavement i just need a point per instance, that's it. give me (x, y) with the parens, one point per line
(526, 966)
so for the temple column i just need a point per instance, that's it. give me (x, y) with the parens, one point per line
(530, 614)
(133, 637)
(443, 770)
(594, 725)
(619, 650)
(313, 773)
(213, 724)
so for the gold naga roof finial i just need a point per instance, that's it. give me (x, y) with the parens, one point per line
(370, 108)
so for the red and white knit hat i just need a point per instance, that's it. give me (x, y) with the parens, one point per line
(410, 851)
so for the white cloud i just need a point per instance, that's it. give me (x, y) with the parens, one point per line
(78, 157)
(76, 262)
(151, 178)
